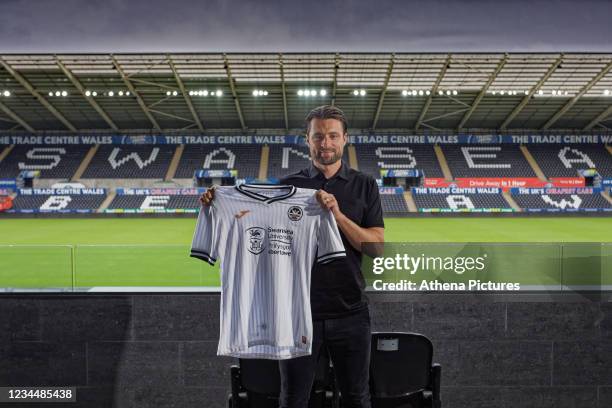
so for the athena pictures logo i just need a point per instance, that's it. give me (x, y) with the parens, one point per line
(256, 236)
(295, 213)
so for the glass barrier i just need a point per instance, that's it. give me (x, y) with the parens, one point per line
(393, 267)
(26, 267)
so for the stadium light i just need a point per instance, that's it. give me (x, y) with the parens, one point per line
(414, 92)
(322, 92)
(6, 93)
(362, 92)
(111, 93)
(174, 93)
(526, 92)
(120, 93)
(421, 92)
(606, 92)
(404, 93)
(300, 92)
(455, 92)
(127, 93)
(94, 93)
(87, 93)
(540, 92)
(428, 92)
(219, 93)
(64, 94)
(168, 93)
(448, 93)
(58, 93)
(50, 93)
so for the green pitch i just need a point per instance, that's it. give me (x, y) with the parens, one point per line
(82, 253)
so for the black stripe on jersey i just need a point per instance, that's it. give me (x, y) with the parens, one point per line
(203, 256)
(199, 251)
(291, 193)
(331, 256)
(264, 198)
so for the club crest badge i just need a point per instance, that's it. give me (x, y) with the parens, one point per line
(256, 237)
(295, 213)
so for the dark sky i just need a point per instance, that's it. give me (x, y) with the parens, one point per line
(28, 26)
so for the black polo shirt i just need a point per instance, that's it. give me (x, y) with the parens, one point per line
(338, 288)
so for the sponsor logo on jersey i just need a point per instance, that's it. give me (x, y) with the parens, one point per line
(256, 236)
(295, 213)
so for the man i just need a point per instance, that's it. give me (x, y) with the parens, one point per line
(341, 319)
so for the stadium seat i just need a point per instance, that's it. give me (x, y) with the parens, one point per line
(255, 383)
(402, 373)
(373, 158)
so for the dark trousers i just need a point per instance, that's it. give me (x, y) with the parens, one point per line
(347, 340)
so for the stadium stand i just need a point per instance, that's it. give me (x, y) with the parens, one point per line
(373, 158)
(560, 160)
(288, 158)
(242, 157)
(504, 160)
(155, 202)
(554, 200)
(130, 162)
(49, 200)
(460, 199)
(53, 161)
(393, 204)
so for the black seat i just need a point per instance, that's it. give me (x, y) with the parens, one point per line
(255, 383)
(402, 373)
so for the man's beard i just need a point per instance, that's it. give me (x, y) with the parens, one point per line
(334, 158)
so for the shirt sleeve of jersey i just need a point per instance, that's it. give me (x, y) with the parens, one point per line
(330, 246)
(205, 237)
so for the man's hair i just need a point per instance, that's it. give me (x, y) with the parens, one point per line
(326, 112)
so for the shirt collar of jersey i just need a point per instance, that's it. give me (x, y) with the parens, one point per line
(313, 172)
(261, 197)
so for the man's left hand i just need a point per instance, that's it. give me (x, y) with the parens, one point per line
(328, 201)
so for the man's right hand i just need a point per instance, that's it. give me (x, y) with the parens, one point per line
(208, 196)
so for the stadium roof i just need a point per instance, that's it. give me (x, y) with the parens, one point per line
(404, 92)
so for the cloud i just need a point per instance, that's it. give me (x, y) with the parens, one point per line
(317, 25)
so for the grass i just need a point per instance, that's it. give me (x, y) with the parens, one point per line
(154, 251)
(178, 231)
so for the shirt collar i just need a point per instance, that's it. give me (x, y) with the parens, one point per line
(313, 172)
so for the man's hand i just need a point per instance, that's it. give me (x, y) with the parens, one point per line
(328, 201)
(208, 196)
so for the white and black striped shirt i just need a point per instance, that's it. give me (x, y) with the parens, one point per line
(267, 239)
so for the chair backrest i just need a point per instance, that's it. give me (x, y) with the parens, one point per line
(260, 376)
(400, 364)
(261, 380)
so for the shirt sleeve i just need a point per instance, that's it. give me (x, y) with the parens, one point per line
(374, 214)
(206, 235)
(330, 246)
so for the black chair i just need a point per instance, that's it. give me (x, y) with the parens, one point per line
(255, 383)
(402, 373)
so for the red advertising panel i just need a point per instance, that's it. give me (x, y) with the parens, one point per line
(567, 181)
(500, 182)
(435, 182)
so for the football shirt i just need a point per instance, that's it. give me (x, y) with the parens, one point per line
(267, 238)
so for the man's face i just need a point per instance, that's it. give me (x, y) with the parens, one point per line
(326, 140)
